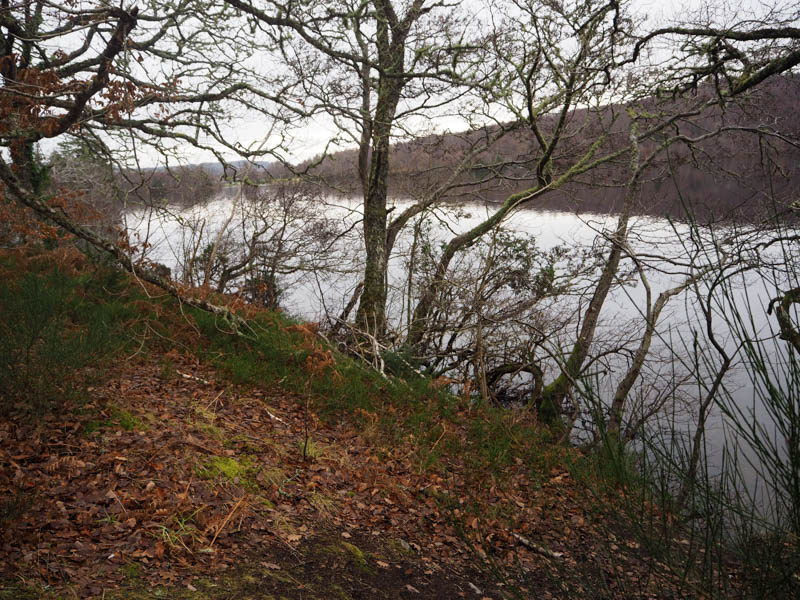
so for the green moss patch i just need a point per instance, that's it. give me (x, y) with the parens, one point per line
(241, 472)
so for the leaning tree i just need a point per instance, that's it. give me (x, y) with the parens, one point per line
(603, 102)
(131, 83)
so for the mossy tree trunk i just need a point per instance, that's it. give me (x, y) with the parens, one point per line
(390, 38)
(371, 315)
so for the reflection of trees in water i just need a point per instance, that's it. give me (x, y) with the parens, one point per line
(180, 186)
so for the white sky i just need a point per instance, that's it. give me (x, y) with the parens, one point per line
(311, 140)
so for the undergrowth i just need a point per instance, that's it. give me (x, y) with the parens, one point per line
(389, 410)
(64, 323)
(59, 330)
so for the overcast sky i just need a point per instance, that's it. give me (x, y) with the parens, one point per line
(312, 138)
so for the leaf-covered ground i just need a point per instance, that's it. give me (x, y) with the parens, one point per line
(145, 452)
(171, 482)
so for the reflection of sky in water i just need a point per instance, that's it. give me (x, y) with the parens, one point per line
(662, 246)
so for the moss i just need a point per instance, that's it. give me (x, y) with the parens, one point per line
(399, 548)
(211, 430)
(131, 570)
(205, 414)
(244, 585)
(278, 576)
(125, 420)
(265, 502)
(13, 590)
(238, 471)
(356, 552)
(120, 418)
(311, 450)
(350, 552)
(92, 427)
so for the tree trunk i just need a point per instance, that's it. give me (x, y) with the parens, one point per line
(371, 315)
(552, 399)
(553, 395)
(651, 320)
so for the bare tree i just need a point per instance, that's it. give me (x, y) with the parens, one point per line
(91, 71)
(277, 234)
(565, 68)
(372, 67)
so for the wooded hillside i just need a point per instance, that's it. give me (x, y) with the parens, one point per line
(724, 177)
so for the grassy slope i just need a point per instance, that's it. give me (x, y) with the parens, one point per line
(149, 453)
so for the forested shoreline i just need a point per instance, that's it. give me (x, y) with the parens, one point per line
(531, 403)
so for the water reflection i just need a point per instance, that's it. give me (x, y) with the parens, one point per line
(664, 252)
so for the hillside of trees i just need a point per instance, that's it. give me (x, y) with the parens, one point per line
(721, 178)
(724, 177)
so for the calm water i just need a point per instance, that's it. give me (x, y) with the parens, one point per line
(667, 253)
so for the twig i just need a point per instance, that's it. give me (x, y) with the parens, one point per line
(214, 401)
(436, 443)
(121, 505)
(228, 518)
(536, 547)
(271, 416)
(377, 347)
(185, 494)
(200, 379)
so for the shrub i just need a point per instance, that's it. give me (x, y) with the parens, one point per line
(49, 333)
